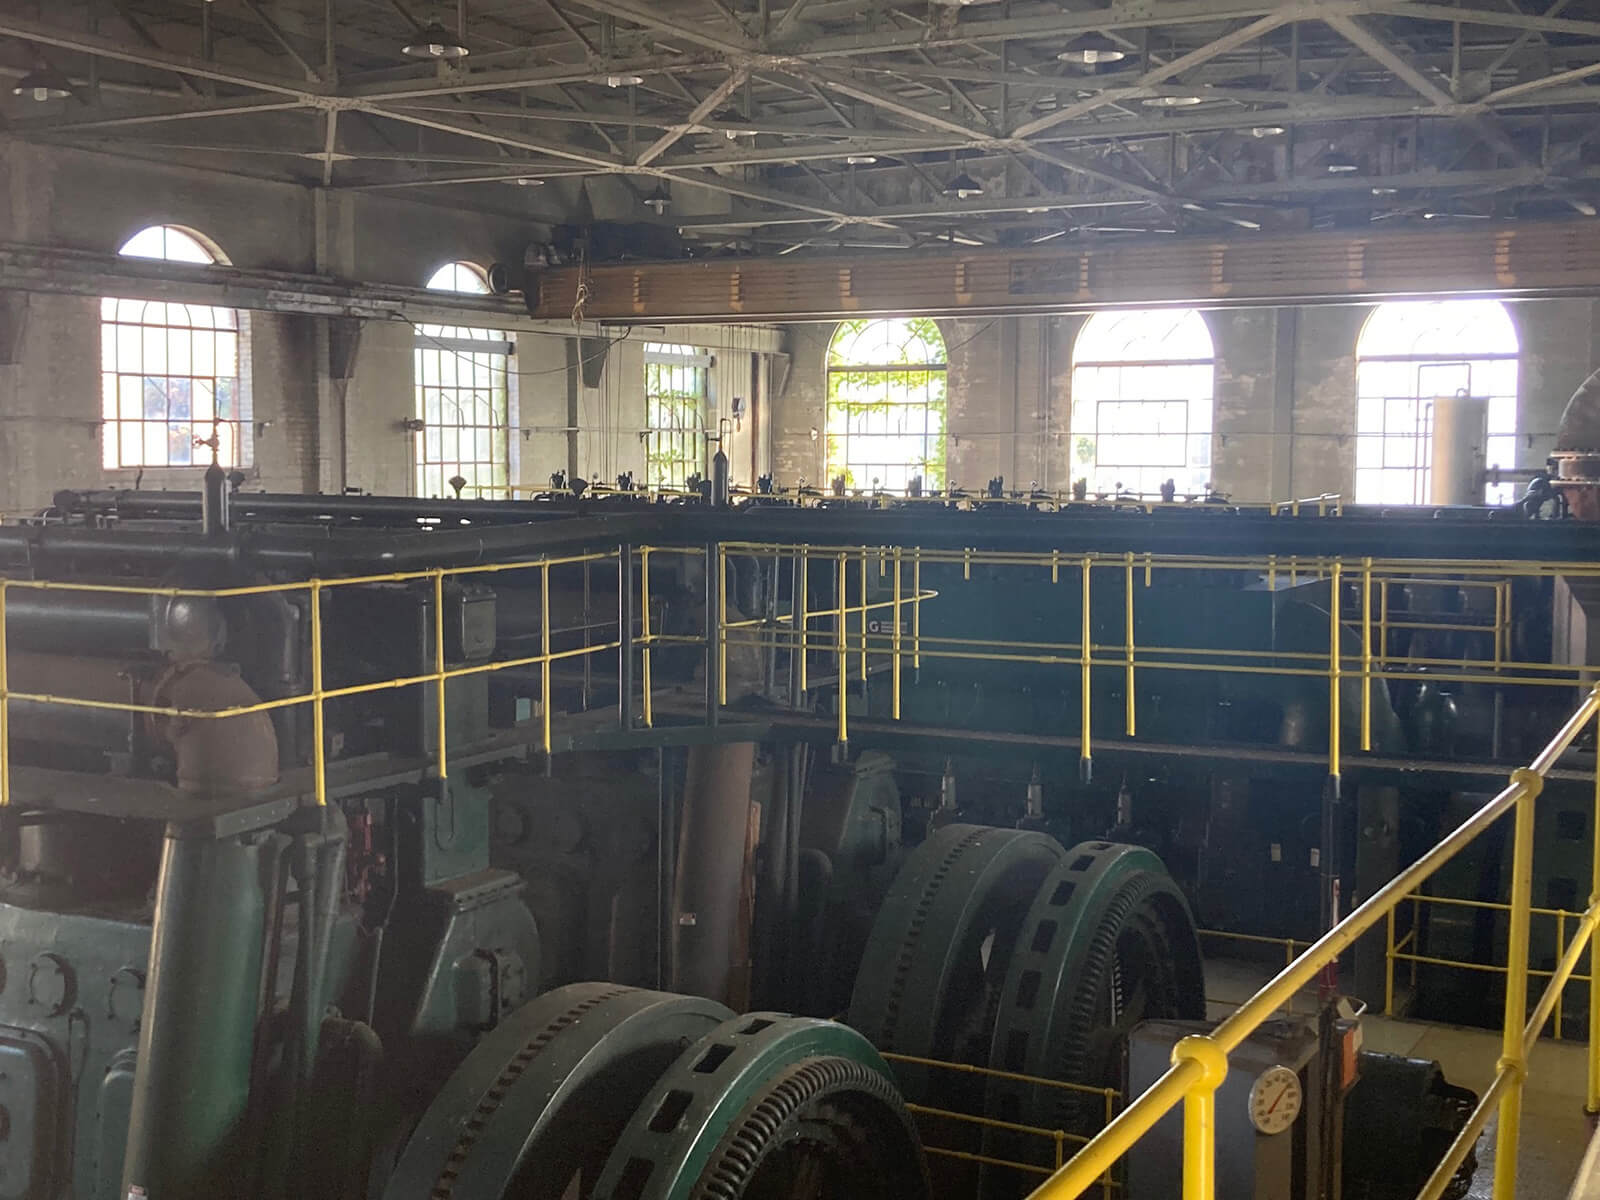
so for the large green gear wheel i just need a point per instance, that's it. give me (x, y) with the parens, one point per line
(541, 1098)
(940, 942)
(768, 1107)
(1108, 942)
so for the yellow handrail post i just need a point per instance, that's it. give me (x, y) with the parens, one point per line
(1335, 675)
(644, 631)
(438, 666)
(1499, 609)
(1593, 1100)
(1388, 969)
(1383, 621)
(319, 764)
(5, 705)
(1086, 752)
(894, 668)
(916, 608)
(863, 614)
(544, 652)
(1561, 949)
(801, 619)
(1366, 654)
(1127, 587)
(1200, 1116)
(1106, 1182)
(844, 655)
(1516, 1010)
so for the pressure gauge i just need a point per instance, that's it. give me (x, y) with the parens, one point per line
(1275, 1100)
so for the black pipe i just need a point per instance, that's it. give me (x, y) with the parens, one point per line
(214, 502)
(625, 619)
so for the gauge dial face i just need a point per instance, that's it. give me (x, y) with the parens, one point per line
(1275, 1100)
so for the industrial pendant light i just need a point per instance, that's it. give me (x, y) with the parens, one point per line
(659, 200)
(43, 83)
(433, 40)
(963, 187)
(1091, 50)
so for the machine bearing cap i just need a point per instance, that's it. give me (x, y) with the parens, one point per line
(1109, 918)
(761, 1086)
(922, 978)
(544, 1095)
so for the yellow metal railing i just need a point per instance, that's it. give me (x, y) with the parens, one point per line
(1200, 1062)
(319, 694)
(1059, 1139)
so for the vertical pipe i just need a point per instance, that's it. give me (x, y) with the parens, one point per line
(711, 857)
(1327, 859)
(644, 636)
(916, 609)
(715, 586)
(319, 761)
(1127, 588)
(187, 1133)
(624, 634)
(843, 655)
(1561, 949)
(802, 620)
(588, 660)
(1383, 622)
(1366, 654)
(1335, 668)
(722, 626)
(544, 651)
(438, 665)
(1516, 1011)
(894, 650)
(1086, 752)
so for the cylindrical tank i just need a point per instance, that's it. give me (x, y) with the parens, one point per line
(1460, 425)
(711, 861)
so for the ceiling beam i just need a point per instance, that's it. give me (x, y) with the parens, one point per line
(674, 24)
(700, 112)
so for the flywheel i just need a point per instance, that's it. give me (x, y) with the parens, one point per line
(533, 1111)
(769, 1107)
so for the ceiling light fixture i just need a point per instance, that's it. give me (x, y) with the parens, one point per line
(1170, 101)
(43, 83)
(617, 81)
(1266, 131)
(860, 160)
(526, 181)
(1339, 163)
(433, 40)
(963, 187)
(1385, 191)
(1092, 49)
(659, 200)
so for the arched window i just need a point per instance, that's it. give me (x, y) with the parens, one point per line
(463, 378)
(1410, 352)
(170, 373)
(1141, 402)
(677, 392)
(886, 404)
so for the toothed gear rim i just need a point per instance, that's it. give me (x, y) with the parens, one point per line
(921, 988)
(1108, 942)
(543, 1096)
(825, 1129)
(676, 1134)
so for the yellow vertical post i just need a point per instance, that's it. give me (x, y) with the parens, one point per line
(1388, 968)
(1516, 1010)
(319, 762)
(1499, 609)
(1366, 654)
(1086, 753)
(894, 668)
(1593, 1103)
(966, 563)
(1200, 1144)
(1055, 566)
(844, 656)
(722, 623)
(1127, 617)
(801, 620)
(644, 635)
(916, 608)
(1506, 656)
(5, 705)
(1107, 1184)
(544, 651)
(1561, 949)
(1272, 572)
(438, 666)
(863, 614)
(1335, 671)
(1383, 621)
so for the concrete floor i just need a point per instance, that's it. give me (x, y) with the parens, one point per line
(1555, 1130)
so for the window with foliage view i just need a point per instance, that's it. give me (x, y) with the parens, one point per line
(677, 392)
(1141, 402)
(886, 404)
(1411, 352)
(169, 372)
(463, 399)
